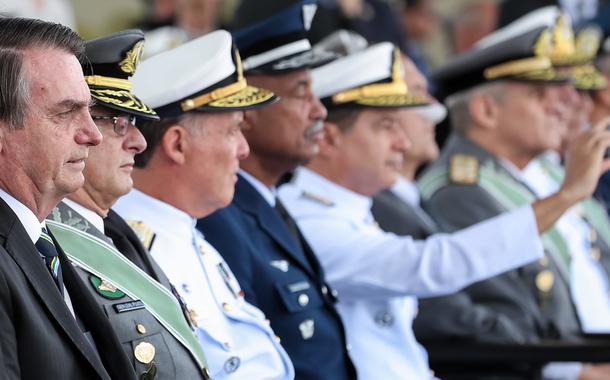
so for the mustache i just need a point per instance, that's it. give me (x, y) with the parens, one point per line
(315, 128)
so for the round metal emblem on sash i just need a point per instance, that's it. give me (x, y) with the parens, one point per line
(144, 352)
(545, 281)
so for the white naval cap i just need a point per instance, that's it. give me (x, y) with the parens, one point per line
(204, 74)
(542, 17)
(373, 77)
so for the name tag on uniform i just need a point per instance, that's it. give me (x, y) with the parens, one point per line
(128, 306)
(298, 286)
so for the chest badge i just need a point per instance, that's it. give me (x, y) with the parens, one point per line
(280, 264)
(105, 288)
(307, 328)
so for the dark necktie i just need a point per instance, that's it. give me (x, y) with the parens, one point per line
(51, 259)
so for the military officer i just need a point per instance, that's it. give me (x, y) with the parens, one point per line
(584, 229)
(158, 347)
(377, 274)
(498, 89)
(601, 108)
(398, 209)
(272, 261)
(187, 171)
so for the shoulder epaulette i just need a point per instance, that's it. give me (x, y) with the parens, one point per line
(318, 198)
(143, 232)
(464, 169)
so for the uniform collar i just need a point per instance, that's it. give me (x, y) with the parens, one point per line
(312, 183)
(160, 216)
(27, 218)
(407, 191)
(91, 216)
(268, 194)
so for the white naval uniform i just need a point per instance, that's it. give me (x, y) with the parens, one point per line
(588, 281)
(237, 340)
(378, 274)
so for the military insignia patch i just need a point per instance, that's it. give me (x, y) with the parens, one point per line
(307, 328)
(105, 288)
(464, 169)
(282, 265)
(144, 233)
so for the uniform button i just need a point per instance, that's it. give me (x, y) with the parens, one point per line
(348, 347)
(227, 345)
(303, 300)
(278, 339)
(226, 306)
(334, 293)
(232, 364)
(267, 322)
(141, 328)
(324, 290)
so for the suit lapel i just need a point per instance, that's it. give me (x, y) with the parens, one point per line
(250, 201)
(22, 250)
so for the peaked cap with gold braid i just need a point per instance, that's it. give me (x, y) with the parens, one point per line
(373, 77)
(525, 56)
(204, 74)
(111, 60)
(586, 76)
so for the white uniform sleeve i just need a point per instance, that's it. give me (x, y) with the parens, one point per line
(363, 261)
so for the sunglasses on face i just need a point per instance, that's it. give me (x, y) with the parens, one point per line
(120, 124)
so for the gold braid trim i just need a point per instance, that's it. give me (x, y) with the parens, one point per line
(102, 81)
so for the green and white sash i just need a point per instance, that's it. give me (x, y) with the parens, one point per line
(103, 260)
(511, 195)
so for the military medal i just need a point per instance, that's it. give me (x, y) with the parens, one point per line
(144, 352)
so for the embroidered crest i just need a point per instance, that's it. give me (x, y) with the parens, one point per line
(105, 288)
(132, 58)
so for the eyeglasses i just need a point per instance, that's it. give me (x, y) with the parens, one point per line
(119, 123)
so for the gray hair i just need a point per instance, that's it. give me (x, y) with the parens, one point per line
(19, 34)
(457, 104)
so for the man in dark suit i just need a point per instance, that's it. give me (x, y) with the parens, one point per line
(273, 263)
(51, 327)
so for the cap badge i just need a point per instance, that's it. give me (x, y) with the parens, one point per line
(132, 58)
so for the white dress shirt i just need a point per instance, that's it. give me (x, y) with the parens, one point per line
(378, 274)
(236, 338)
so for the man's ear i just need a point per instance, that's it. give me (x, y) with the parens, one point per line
(331, 140)
(174, 144)
(249, 121)
(604, 97)
(483, 110)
